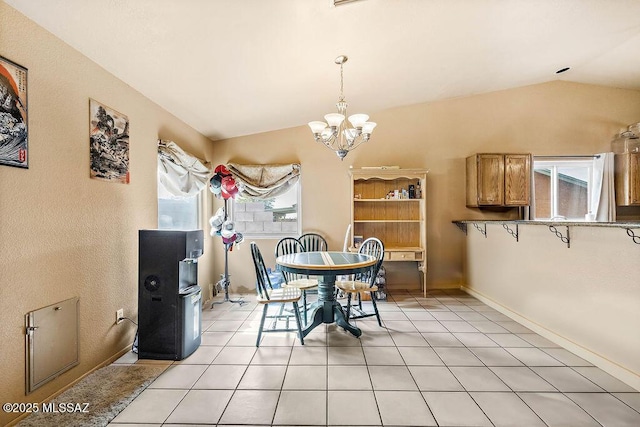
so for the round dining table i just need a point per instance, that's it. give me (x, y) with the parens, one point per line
(326, 265)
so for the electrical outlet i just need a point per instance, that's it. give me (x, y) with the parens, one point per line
(119, 316)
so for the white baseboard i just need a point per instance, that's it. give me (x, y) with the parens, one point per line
(623, 374)
(443, 286)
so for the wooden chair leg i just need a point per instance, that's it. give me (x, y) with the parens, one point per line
(304, 305)
(264, 316)
(286, 321)
(279, 317)
(348, 305)
(296, 310)
(375, 307)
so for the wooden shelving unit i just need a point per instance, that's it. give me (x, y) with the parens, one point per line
(399, 223)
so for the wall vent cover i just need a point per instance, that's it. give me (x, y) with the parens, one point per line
(52, 342)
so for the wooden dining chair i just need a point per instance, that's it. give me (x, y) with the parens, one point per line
(313, 242)
(291, 245)
(364, 282)
(268, 295)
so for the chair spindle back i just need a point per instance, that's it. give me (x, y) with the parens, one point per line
(371, 246)
(289, 245)
(313, 242)
(263, 283)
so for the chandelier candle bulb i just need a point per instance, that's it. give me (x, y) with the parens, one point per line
(367, 128)
(334, 119)
(317, 127)
(358, 120)
(335, 134)
(350, 134)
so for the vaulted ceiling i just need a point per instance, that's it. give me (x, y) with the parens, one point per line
(238, 67)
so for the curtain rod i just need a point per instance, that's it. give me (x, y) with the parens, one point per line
(594, 156)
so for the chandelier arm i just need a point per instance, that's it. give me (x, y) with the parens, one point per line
(328, 141)
(356, 142)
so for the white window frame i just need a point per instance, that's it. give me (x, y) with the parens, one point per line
(553, 164)
(198, 207)
(234, 215)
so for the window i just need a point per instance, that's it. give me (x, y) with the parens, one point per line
(276, 217)
(182, 179)
(177, 213)
(563, 188)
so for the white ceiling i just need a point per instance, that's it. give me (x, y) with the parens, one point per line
(238, 67)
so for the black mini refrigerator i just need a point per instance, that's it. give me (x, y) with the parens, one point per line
(169, 298)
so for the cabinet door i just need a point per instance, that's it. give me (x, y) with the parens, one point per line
(627, 179)
(634, 178)
(622, 179)
(517, 179)
(472, 181)
(490, 179)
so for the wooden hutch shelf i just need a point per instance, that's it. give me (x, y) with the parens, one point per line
(400, 223)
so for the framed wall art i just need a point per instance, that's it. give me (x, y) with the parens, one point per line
(14, 139)
(109, 143)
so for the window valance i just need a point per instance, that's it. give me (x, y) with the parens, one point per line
(180, 173)
(264, 181)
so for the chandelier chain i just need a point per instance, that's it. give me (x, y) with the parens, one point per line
(341, 82)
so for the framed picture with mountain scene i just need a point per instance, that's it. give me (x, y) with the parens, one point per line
(14, 139)
(109, 143)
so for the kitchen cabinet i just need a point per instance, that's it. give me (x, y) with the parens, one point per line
(497, 179)
(400, 223)
(627, 179)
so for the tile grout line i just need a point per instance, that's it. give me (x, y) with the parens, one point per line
(513, 391)
(433, 415)
(395, 345)
(484, 365)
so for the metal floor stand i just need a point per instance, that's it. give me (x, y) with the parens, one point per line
(224, 282)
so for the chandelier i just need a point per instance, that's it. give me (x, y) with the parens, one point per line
(336, 135)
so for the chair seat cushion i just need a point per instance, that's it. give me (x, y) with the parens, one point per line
(286, 294)
(355, 286)
(303, 284)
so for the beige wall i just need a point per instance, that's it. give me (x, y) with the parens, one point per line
(546, 119)
(64, 235)
(585, 297)
(61, 233)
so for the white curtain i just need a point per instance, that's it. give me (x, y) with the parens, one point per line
(603, 198)
(264, 181)
(181, 174)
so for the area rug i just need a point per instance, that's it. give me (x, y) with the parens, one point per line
(107, 392)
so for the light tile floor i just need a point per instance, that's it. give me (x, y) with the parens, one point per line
(444, 360)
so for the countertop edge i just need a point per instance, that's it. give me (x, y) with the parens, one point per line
(627, 224)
